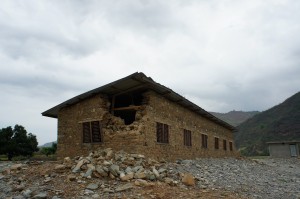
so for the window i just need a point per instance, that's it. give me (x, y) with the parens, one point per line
(230, 146)
(224, 145)
(187, 137)
(162, 132)
(216, 143)
(92, 132)
(204, 141)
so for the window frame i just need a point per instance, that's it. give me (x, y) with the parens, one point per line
(225, 145)
(230, 146)
(217, 143)
(92, 132)
(187, 137)
(204, 139)
(162, 133)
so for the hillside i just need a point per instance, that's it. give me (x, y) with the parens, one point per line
(48, 144)
(282, 122)
(235, 117)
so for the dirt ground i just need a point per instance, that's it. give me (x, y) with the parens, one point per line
(34, 176)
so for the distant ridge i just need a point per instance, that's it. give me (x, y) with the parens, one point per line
(48, 144)
(235, 117)
(282, 122)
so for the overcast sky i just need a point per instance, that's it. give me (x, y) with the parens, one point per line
(222, 55)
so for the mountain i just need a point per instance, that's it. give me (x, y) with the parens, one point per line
(282, 122)
(48, 144)
(235, 117)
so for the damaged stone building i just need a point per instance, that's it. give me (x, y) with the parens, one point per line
(139, 115)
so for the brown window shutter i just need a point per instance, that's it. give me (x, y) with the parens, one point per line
(187, 137)
(162, 132)
(216, 143)
(96, 131)
(159, 132)
(204, 140)
(166, 133)
(224, 145)
(86, 132)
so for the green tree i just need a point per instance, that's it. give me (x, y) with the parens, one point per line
(46, 151)
(54, 147)
(49, 150)
(14, 142)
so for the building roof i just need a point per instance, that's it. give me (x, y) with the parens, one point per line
(132, 82)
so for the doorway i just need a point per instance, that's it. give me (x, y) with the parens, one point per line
(293, 150)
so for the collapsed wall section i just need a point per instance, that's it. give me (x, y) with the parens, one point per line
(115, 133)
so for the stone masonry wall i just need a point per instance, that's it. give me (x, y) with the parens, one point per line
(140, 136)
(178, 119)
(116, 135)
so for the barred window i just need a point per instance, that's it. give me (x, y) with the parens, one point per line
(216, 143)
(230, 146)
(92, 132)
(162, 132)
(224, 145)
(187, 137)
(204, 141)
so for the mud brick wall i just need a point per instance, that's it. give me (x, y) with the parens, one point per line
(140, 136)
(178, 118)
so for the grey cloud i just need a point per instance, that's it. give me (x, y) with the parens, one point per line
(241, 55)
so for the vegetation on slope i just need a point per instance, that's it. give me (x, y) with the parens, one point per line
(235, 117)
(282, 122)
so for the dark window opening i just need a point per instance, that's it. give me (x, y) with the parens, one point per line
(128, 99)
(230, 146)
(162, 133)
(187, 137)
(92, 132)
(128, 116)
(216, 143)
(204, 141)
(224, 145)
(126, 105)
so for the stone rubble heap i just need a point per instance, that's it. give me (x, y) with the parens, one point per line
(104, 163)
(105, 170)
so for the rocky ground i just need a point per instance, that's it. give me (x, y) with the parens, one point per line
(105, 174)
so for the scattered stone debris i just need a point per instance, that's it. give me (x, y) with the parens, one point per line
(188, 179)
(109, 174)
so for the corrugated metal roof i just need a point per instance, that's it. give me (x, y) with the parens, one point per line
(133, 82)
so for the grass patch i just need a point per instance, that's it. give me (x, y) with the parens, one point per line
(41, 157)
(3, 158)
(36, 156)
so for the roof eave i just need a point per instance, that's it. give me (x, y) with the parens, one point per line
(147, 83)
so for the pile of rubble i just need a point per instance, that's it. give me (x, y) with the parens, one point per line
(103, 173)
(124, 167)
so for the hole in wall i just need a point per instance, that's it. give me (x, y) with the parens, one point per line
(126, 105)
(127, 116)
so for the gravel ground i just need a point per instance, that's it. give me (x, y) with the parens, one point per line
(260, 178)
(216, 178)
